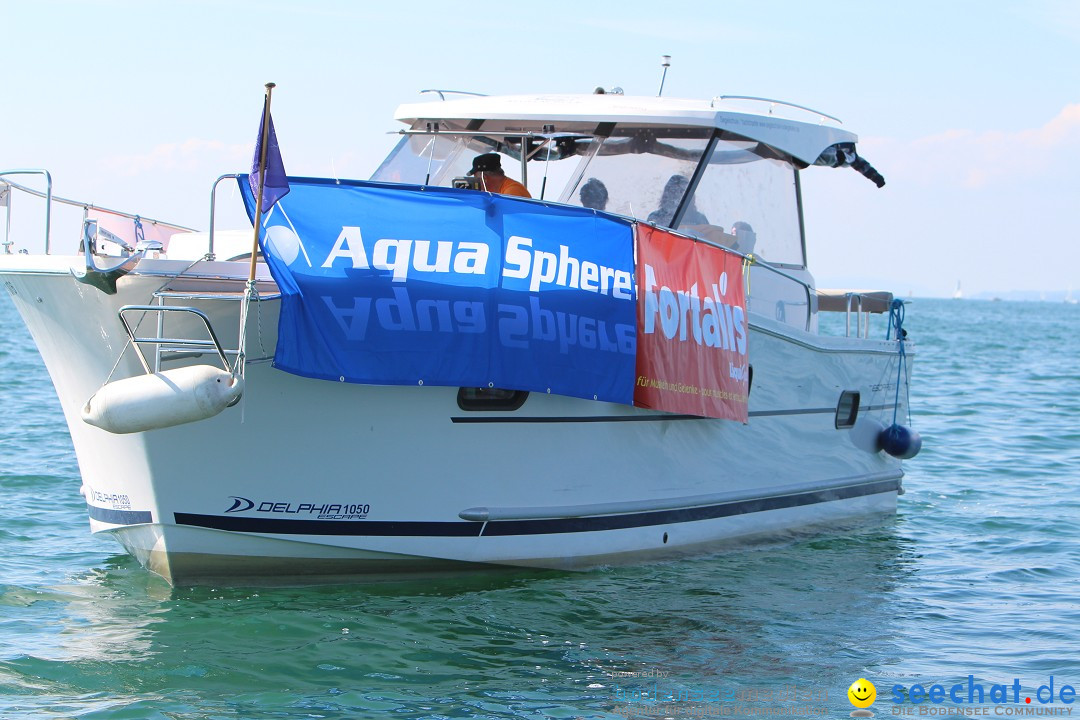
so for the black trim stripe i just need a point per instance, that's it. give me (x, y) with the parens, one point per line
(502, 528)
(797, 411)
(119, 517)
(574, 419)
(358, 528)
(639, 418)
(668, 517)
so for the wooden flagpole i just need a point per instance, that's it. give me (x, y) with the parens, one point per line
(262, 179)
(249, 290)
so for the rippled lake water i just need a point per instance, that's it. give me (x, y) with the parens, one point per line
(978, 574)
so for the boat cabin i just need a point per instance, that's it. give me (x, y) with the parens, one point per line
(702, 168)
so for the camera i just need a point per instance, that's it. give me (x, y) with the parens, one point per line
(465, 183)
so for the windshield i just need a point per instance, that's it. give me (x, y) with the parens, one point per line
(747, 199)
(429, 159)
(640, 172)
(417, 156)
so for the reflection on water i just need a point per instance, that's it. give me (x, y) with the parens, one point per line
(761, 616)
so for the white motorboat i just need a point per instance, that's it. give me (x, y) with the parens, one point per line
(429, 376)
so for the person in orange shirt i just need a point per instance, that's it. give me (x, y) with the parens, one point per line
(488, 171)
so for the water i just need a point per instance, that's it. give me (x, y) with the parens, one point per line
(976, 575)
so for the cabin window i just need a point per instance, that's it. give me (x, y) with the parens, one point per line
(438, 159)
(482, 398)
(747, 199)
(445, 157)
(847, 409)
(408, 162)
(640, 172)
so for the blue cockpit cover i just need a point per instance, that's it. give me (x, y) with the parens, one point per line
(406, 285)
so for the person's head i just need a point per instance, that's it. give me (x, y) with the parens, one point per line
(673, 191)
(669, 200)
(594, 194)
(747, 238)
(487, 167)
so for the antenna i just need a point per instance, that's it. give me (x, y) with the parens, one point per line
(665, 62)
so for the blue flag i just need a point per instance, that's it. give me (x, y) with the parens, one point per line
(275, 185)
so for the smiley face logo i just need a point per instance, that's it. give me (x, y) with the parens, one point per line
(862, 693)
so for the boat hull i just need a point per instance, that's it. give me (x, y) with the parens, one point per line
(306, 479)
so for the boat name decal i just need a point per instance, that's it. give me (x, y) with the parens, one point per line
(321, 511)
(116, 501)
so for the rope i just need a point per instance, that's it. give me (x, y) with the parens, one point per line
(139, 237)
(118, 359)
(250, 291)
(258, 320)
(240, 364)
(896, 320)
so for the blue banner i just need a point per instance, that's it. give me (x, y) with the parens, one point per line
(407, 285)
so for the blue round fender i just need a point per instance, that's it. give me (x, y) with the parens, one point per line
(900, 441)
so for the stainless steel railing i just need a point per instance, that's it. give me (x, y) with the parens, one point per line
(858, 303)
(213, 207)
(50, 199)
(48, 202)
(169, 344)
(853, 303)
(756, 262)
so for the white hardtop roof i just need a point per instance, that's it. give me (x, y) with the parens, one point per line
(803, 140)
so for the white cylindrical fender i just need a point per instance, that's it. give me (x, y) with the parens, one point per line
(164, 399)
(866, 434)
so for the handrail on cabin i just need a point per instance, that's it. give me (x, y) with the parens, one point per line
(453, 92)
(755, 260)
(772, 102)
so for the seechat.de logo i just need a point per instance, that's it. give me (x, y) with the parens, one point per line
(862, 694)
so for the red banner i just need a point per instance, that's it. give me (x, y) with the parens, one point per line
(692, 333)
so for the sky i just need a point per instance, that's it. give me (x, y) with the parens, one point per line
(971, 110)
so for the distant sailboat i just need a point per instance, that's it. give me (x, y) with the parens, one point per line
(958, 294)
(1069, 299)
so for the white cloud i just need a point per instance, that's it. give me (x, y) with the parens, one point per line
(969, 159)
